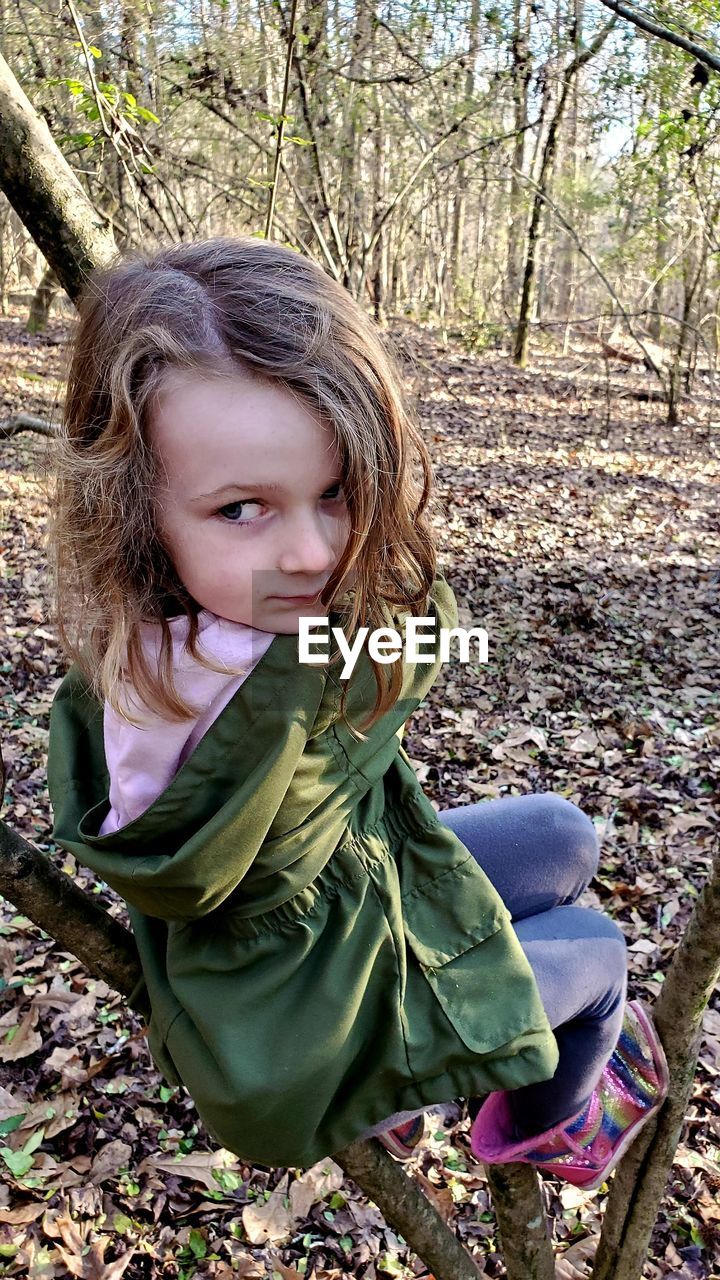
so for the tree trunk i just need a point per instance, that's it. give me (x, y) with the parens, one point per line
(567, 266)
(42, 299)
(662, 185)
(45, 192)
(457, 253)
(522, 1222)
(640, 1180)
(522, 70)
(351, 135)
(378, 267)
(520, 349)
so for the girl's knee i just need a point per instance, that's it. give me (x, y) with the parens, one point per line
(612, 954)
(579, 836)
(575, 837)
(606, 941)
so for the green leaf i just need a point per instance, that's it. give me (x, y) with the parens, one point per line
(18, 1162)
(34, 1140)
(198, 1243)
(11, 1123)
(228, 1180)
(393, 1266)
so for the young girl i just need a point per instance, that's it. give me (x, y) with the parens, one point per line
(324, 955)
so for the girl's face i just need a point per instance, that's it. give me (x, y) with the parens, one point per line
(252, 509)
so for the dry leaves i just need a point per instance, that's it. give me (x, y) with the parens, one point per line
(588, 550)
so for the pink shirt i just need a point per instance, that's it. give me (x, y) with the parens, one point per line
(142, 761)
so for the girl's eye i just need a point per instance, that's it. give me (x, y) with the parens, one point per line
(332, 495)
(231, 506)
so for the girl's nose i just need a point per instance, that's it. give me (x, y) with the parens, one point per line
(308, 549)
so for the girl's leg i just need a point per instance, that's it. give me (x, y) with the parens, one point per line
(540, 852)
(579, 959)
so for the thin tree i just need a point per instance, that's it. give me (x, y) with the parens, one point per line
(520, 347)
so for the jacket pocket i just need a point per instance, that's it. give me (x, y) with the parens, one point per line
(459, 931)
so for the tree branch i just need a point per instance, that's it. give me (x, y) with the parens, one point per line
(25, 422)
(45, 193)
(641, 1177)
(639, 20)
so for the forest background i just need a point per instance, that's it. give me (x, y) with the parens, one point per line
(525, 196)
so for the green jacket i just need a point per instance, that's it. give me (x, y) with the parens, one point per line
(318, 950)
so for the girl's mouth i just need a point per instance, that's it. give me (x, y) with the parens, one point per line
(299, 599)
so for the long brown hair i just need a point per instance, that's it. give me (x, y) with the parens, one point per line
(249, 307)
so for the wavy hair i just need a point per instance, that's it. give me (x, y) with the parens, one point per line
(248, 307)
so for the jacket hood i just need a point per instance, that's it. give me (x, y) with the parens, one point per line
(274, 780)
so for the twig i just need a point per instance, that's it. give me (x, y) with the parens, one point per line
(26, 422)
(281, 126)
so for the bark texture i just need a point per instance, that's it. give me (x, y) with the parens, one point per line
(45, 193)
(640, 1180)
(517, 1199)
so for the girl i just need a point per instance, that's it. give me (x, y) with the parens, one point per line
(324, 956)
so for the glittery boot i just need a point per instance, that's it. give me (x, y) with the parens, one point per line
(585, 1148)
(403, 1140)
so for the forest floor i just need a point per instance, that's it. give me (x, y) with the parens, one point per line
(583, 533)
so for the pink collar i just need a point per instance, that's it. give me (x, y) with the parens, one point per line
(142, 761)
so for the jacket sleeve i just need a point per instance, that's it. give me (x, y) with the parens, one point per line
(369, 760)
(181, 858)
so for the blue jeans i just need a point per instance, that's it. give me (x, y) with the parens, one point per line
(540, 852)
